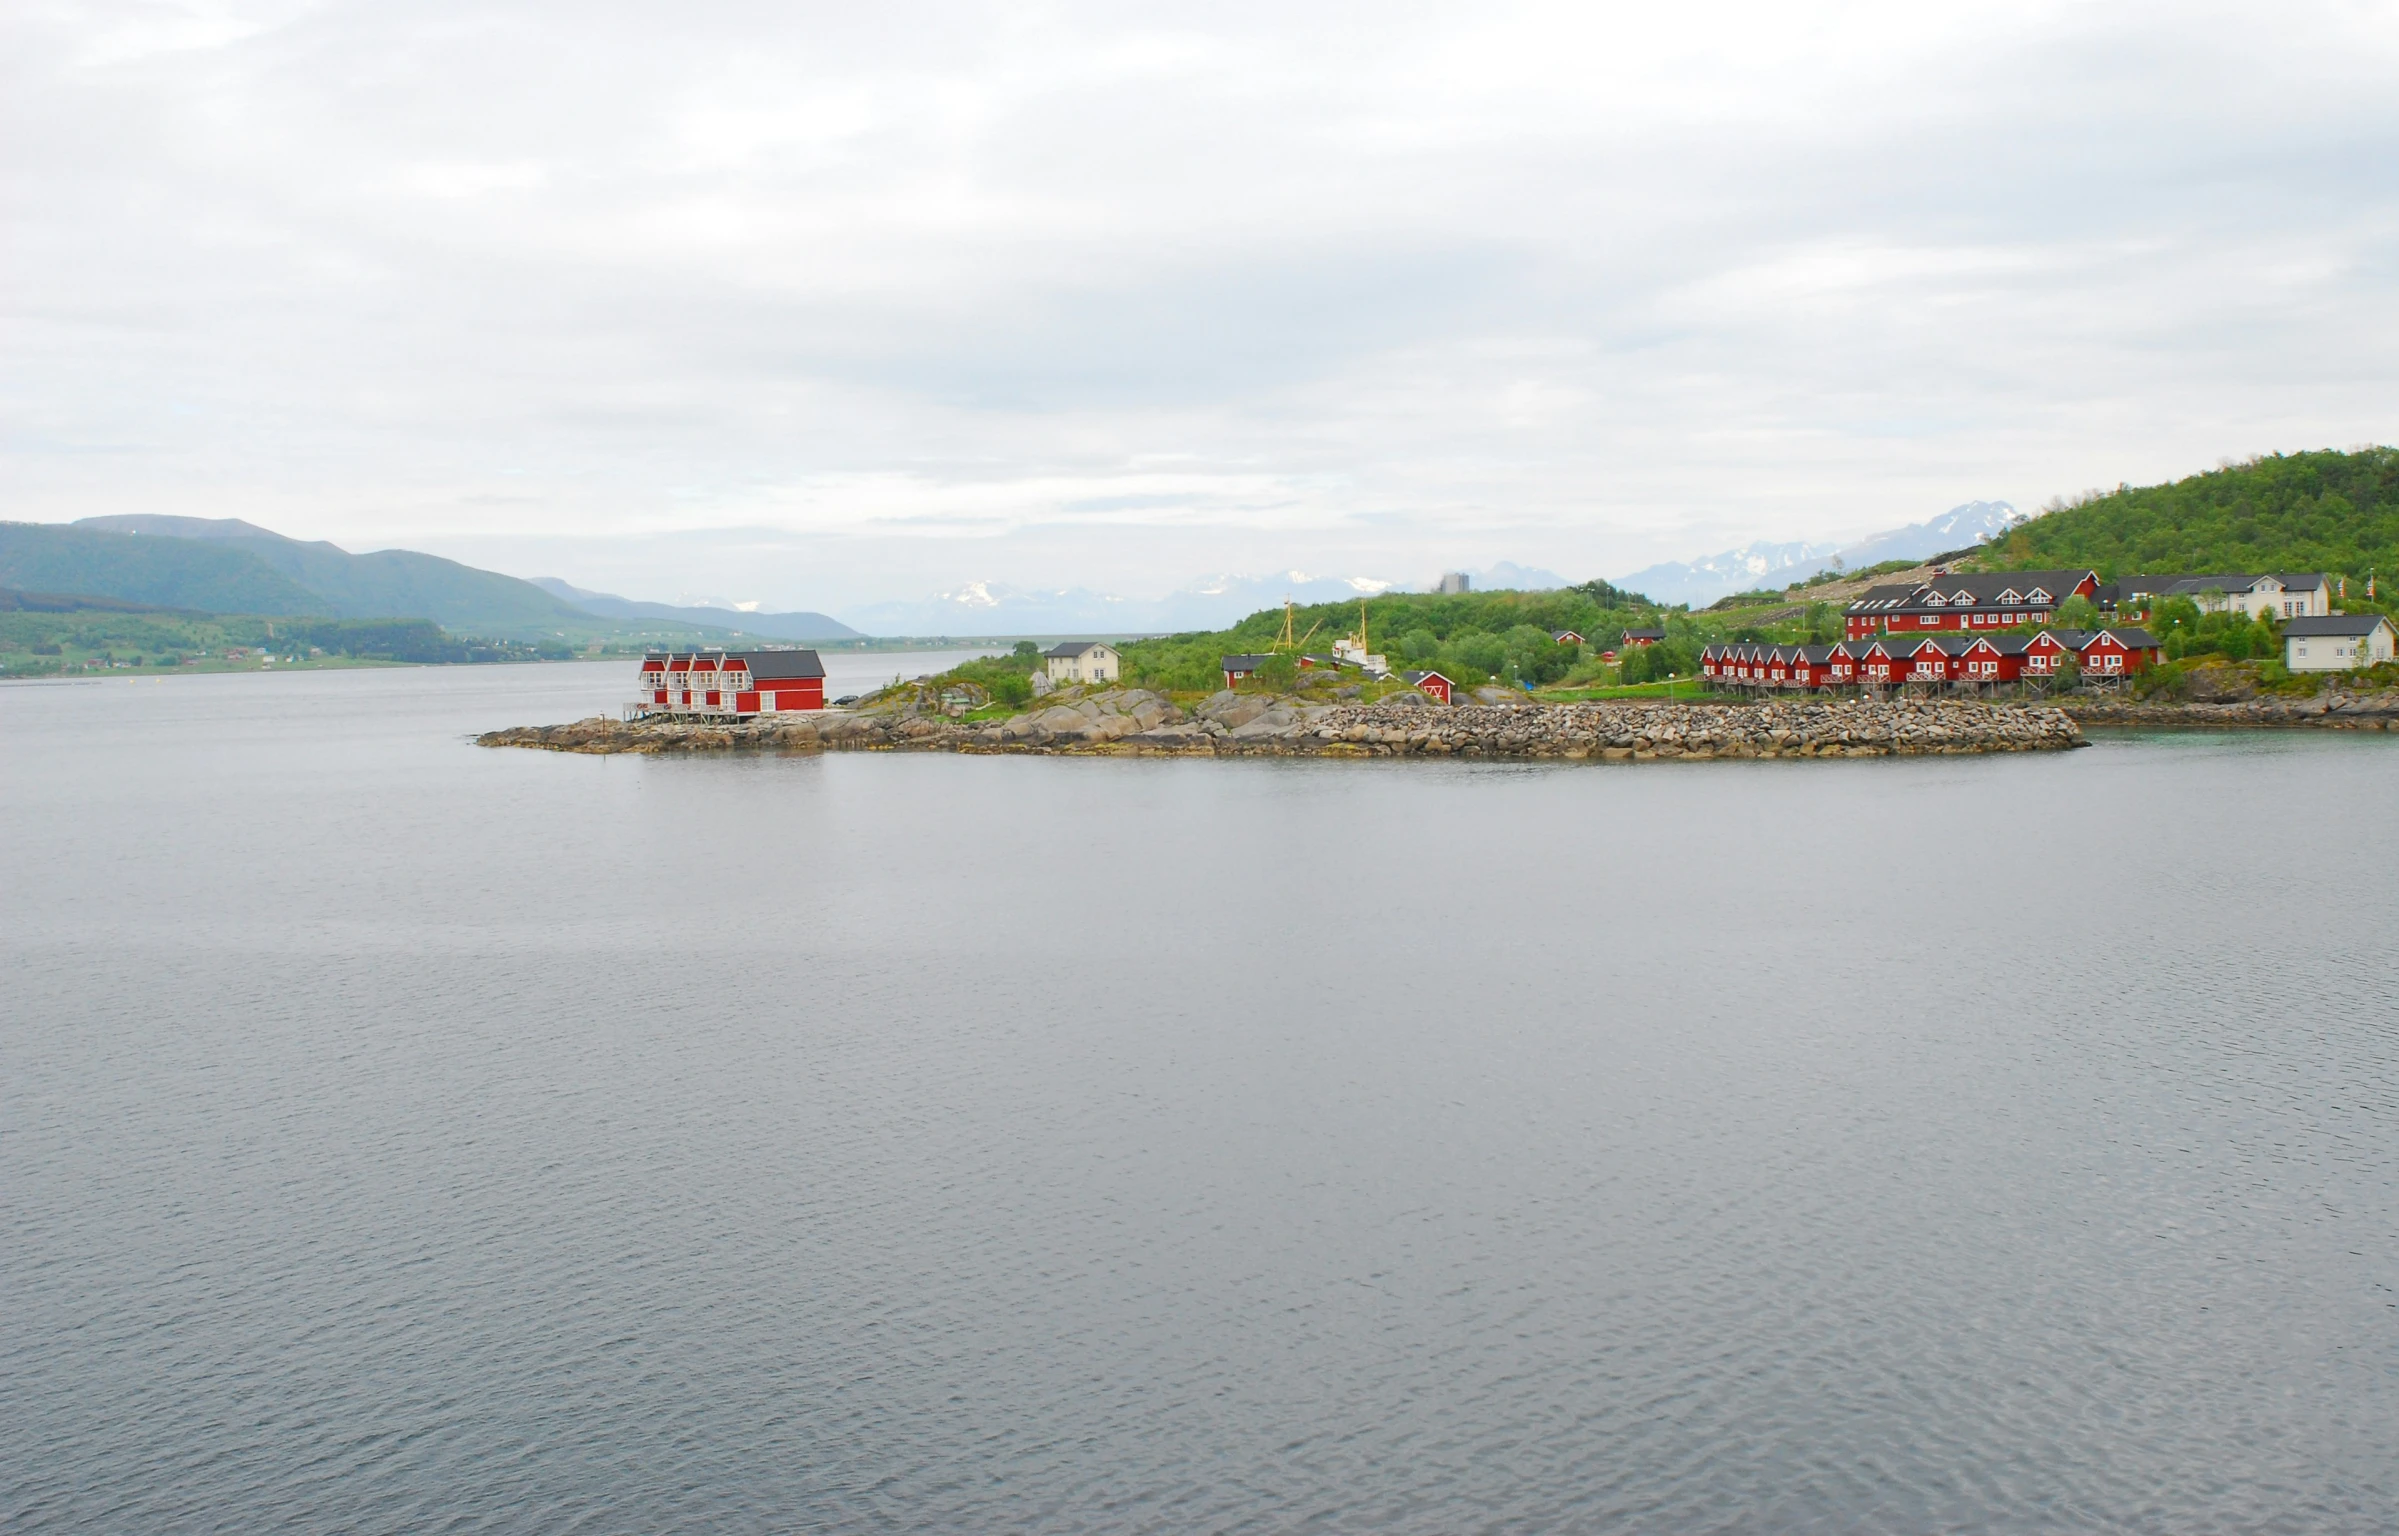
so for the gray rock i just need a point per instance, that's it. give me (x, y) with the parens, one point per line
(1041, 683)
(1239, 712)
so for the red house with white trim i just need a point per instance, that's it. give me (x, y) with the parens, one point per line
(729, 684)
(2118, 652)
(1240, 669)
(1988, 600)
(1431, 684)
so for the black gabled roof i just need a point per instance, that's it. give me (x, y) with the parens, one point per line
(779, 666)
(2346, 624)
(1413, 678)
(2192, 583)
(2132, 638)
(1988, 587)
(1073, 647)
(1244, 663)
(1645, 634)
(1816, 655)
(1982, 589)
(1879, 599)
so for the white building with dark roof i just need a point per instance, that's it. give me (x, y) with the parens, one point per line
(2338, 642)
(1083, 661)
(2275, 595)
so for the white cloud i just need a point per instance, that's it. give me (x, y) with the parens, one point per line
(948, 292)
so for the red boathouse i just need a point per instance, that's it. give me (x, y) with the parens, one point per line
(729, 684)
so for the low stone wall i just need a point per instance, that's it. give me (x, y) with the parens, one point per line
(1620, 731)
(2325, 711)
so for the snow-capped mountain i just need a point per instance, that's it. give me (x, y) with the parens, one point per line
(1700, 582)
(1960, 527)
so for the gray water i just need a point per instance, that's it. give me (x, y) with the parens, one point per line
(399, 1134)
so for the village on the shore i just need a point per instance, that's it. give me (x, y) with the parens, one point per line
(1967, 634)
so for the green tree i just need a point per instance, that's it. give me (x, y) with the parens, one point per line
(2077, 612)
(1479, 649)
(1534, 657)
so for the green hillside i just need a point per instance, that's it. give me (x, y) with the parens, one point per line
(2324, 511)
(157, 573)
(1468, 637)
(387, 583)
(223, 565)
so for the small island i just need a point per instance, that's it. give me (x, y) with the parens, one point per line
(1325, 716)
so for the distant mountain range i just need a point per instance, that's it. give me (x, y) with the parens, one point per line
(225, 565)
(995, 608)
(1702, 581)
(1508, 576)
(1211, 602)
(772, 626)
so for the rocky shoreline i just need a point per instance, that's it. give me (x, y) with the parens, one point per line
(2325, 711)
(1130, 722)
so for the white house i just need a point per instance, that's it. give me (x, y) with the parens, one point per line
(1082, 661)
(2337, 642)
(2282, 596)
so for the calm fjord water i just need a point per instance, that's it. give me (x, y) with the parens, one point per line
(395, 1133)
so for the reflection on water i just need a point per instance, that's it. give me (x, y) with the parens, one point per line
(395, 1132)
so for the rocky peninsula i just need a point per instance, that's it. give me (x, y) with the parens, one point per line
(1126, 722)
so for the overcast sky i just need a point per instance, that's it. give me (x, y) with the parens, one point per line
(864, 301)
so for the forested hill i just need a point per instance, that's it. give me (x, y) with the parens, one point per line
(159, 573)
(387, 583)
(2325, 511)
(228, 566)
